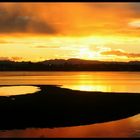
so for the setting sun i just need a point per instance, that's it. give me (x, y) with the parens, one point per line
(85, 53)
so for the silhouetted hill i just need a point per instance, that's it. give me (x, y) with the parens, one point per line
(72, 64)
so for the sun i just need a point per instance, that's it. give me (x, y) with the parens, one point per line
(85, 53)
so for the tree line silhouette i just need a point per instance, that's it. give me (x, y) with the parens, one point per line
(69, 65)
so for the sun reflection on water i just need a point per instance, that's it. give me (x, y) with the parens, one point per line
(89, 87)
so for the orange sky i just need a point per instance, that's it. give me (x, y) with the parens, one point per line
(96, 31)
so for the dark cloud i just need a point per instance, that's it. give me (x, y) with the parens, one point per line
(135, 7)
(15, 22)
(121, 53)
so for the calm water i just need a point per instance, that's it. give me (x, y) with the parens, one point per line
(91, 81)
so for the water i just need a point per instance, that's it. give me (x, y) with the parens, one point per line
(17, 90)
(91, 81)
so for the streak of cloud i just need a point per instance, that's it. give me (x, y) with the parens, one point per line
(121, 53)
(47, 47)
(135, 23)
(14, 58)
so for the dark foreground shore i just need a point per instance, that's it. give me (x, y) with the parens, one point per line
(54, 106)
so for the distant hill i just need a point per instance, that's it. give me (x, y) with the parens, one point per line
(72, 64)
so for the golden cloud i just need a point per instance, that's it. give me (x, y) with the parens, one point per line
(120, 53)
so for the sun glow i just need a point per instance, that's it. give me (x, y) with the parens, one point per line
(83, 87)
(86, 53)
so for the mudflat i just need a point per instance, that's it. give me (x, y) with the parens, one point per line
(54, 106)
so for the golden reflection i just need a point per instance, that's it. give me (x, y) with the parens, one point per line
(95, 81)
(90, 87)
(17, 90)
(86, 82)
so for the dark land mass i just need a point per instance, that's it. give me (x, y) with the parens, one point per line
(69, 65)
(54, 106)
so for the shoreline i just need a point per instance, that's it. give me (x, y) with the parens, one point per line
(54, 106)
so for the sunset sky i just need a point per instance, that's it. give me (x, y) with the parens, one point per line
(61, 30)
